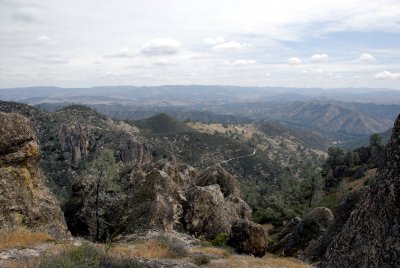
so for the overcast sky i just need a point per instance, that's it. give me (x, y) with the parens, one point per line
(308, 43)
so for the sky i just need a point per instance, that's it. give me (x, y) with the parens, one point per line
(309, 43)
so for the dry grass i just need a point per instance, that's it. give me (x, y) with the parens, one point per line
(245, 130)
(21, 237)
(239, 261)
(151, 249)
(354, 185)
(22, 263)
(219, 252)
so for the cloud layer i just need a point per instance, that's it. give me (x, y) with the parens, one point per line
(161, 46)
(332, 43)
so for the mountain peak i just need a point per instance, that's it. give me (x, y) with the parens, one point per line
(163, 123)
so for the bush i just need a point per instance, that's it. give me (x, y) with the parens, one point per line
(86, 256)
(276, 215)
(176, 249)
(201, 260)
(221, 240)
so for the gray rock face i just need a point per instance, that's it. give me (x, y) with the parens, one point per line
(316, 250)
(218, 176)
(305, 232)
(213, 204)
(24, 198)
(247, 237)
(162, 196)
(156, 201)
(133, 150)
(75, 140)
(371, 236)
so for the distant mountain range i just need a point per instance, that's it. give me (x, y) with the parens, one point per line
(193, 94)
(330, 117)
(344, 115)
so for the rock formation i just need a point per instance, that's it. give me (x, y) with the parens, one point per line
(134, 151)
(24, 198)
(371, 236)
(155, 202)
(213, 203)
(247, 237)
(162, 196)
(75, 140)
(316, 250)
(303, 233)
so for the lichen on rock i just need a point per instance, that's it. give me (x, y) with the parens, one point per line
(24, 198)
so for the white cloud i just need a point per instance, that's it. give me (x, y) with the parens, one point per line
(365, 57)
(274, 31)
(319, 57)
(161, 46)
(231, 45)
(240, 62)
(294, 61)
(214, 41)
(44, 40)
(123, 52)
(386, 75)
(164, 62)
(267, 74)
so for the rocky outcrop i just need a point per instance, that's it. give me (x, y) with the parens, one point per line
(229, 186)
(371, 236)
(75, 140)
(247, 237)
(304, 232)
(156, 201)
(24, 198)
(316, 250)
(163, 196)
(213, 203)
(134, 151)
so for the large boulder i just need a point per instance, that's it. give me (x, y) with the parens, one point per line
(24, 198)
(213, 203)
(371, 236)
(219, 176)
(316, 250)
(156, 200)
(305, 232)
(247, 237)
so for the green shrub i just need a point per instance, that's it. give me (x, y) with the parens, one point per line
(221, 240)
(86, 256)
(276, 215)
(271, 242)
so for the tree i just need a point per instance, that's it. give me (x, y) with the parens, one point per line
(356, 157)
(104, 172)
(313, 183)
(349, 159)
(375, 140)
(336, 157)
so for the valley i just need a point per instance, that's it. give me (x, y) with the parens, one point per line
(190, 134)
(133, 181)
